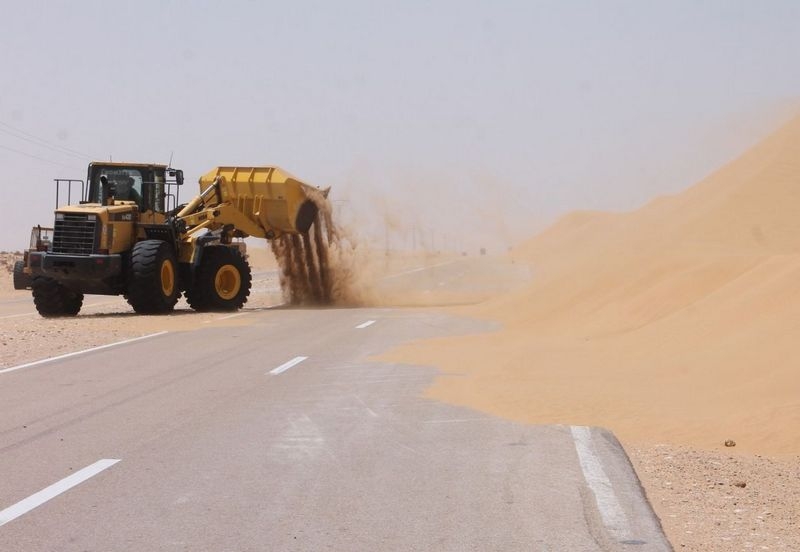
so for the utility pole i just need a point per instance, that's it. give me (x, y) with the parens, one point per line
(386, 232)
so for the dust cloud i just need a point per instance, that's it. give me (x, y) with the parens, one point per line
(318, 267)
(436, 209)
(377, 233)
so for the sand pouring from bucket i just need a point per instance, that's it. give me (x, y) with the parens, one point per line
(297, 219)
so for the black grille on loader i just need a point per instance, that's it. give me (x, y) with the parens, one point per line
(75, 235)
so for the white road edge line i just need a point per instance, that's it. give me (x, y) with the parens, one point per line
(458, 421)
(611, 512)
(366, 324)
(233, 315)
(76, 353)
(104, 304)
(286, 365)
(225, 317)
(420, 269)
(87, 306)
(18, 315)
(27, 504)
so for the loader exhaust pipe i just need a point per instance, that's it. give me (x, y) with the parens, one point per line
(107, 191)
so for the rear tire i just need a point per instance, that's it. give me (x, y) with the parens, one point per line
(221, 282)
(21, 280)
(52, 299)
(153, 278)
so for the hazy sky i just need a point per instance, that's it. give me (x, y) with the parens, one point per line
(481, 118)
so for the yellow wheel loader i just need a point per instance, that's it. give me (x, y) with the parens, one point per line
(129, 235)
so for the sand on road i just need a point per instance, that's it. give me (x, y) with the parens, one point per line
(677, 327)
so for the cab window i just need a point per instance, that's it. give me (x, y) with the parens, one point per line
(127, 181)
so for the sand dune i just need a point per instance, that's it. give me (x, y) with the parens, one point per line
(678, 322)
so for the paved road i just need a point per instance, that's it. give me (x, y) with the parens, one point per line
(275, 431)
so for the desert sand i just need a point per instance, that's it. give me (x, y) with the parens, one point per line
(675, 325)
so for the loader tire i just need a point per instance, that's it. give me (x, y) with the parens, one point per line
(222, 281)
(153, 278)
(52, 299)
(21, 280)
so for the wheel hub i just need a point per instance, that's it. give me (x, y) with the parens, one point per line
(227, 282)
(167, 278)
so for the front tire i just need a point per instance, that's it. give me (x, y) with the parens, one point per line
(52, 299)
(222, 281)
(21, 280)
(153, 278)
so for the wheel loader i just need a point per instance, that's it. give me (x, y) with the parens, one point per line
(130, 235)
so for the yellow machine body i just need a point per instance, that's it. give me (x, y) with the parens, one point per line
(120, 242)
(263, 202)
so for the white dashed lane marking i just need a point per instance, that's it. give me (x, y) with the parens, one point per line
(26, 505)
(286, 365)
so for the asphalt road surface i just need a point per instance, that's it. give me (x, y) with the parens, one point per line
(273, 430)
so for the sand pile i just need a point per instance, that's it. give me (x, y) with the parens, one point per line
(319, 266)
(678, 322)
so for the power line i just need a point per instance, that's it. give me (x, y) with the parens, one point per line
(36, 157)
(35, 143)
(28, 137)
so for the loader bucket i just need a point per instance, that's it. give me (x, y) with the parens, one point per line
(269, 196)
(306, 216)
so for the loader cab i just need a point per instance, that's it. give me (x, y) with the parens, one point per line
(149, 186)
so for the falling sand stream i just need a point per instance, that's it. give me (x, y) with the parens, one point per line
(316, 266)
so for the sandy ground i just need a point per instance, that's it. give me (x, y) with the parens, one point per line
(694, 491)
(718, 501)
(675, 326)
